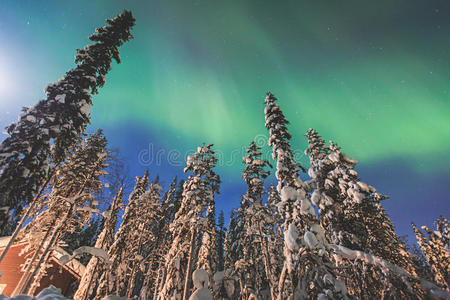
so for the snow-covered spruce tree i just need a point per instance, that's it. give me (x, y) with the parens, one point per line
(275, 236)
(69, 205)
(342, 220)
(114, 279)
(147, 235)
(231, 242)
(59, 119)
(82, 236)
(116, 178)
(207, 255)
(158, 247)
(220, 240)
(172, 199)
(253, 267)
(96, 267)
(353, 217)
(421, 265)
(189, 223)
(14, 219)
(443, 226)
(307, 271)
(437, 256)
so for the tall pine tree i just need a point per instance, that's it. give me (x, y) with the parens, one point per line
(307, 261)
(189, 222)
(58, 120)
(114, 279)
(221, 231)
(95, 267)
(434, 249)
(70, 204)
(253, 267)
(353, 217)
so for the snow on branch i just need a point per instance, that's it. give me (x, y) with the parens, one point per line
(435, 291)
(97, 252)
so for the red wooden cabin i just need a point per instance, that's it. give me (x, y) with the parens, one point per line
(63, 277)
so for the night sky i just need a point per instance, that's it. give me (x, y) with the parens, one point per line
(371, 75)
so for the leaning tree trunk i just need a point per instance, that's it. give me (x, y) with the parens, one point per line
(281, 282)
(188, 268)
(47, 249)
(26, 274)
(272, 280)
(24, 219)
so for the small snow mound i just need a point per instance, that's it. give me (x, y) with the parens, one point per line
(61, 98)
(218, 276)
(288, 193)
(311, 173)
(85, 109)
(92, 251)
(112, 297)
(290, 238)
(310, 240)
(322, 297)
(306, 208)
(201, 294)
(364, 186)
(334, 156)
(200, 278)
(64, 259)
(315, 198)
(49, 293)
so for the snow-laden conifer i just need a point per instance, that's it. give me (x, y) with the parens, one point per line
(434, 249)
(96, 267)
(148, 229)
(58, 120)
(253, 267)
(156, 246)
(114, 279)
(207, 256)
(69, 205)
(231, 246)
(220, 241)
(189, 223)
(443, 227)
(307, 271)
(353, 217)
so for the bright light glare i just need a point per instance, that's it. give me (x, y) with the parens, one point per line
(6, 81)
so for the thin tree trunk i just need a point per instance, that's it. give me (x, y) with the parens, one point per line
(188, 268)
(85, 293)
(47, 249)
(56, 231)
(131, 282)
(134, 269)
(281, 282)
(241, 287)
(160, 285)
(267, 264)
(36, 282)
(26, 274)
(155, 292)
(23, 219)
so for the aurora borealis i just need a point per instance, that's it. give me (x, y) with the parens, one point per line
(372, 76)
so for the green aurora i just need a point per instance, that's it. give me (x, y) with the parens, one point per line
(362, 74)
(370, 75)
